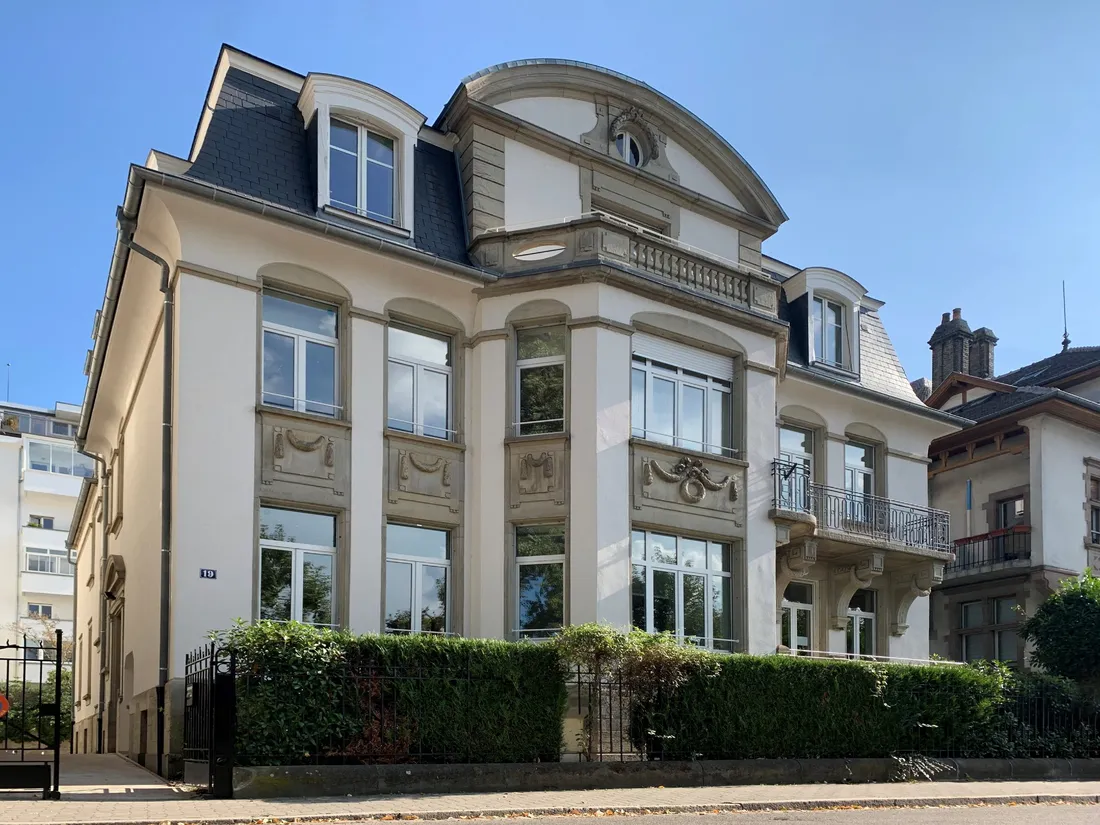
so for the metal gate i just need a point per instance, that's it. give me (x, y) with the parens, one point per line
(30, 715)
(209, 719)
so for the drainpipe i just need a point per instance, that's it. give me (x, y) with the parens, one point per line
(104, 503)
(128, 226)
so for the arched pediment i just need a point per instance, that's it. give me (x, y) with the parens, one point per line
(556, 78)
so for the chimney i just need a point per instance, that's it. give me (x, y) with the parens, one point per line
(950, 345)
(922, 387)
(981, 353)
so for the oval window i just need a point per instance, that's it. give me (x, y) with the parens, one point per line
(628, 148)
(538, 252)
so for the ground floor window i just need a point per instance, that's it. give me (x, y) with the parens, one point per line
(418, 579)
(297, 566)
(683, 586)
(797, 622)
(540, 580)
(861, 624)
(988, 629)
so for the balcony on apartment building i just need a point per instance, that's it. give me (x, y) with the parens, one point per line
(598, 238)
(852, 517)
(988, 552)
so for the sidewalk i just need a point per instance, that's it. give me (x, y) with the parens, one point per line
(158, 803)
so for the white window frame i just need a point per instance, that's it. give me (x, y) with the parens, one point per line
(298, 551)
(791, 610)
(795, 490)
(523, 561)
(419, 368)
(362, 164)
(57, 561)
(843, 358)
(856, 619)
(418, 563)
(1094, 512)
(708, 641)
(74, 457)
(302, 339)
(35, 610)
(532, 363)
(628, 139)
(681, 378)
(860, 506)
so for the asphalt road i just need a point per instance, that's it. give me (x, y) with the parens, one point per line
(978, 815)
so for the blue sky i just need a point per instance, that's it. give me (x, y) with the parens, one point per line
(942, 153)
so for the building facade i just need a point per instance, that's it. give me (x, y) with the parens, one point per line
(40, 479)
(1022, 484)
(524, 367)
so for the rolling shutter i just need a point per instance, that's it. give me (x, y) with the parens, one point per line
(681, 355)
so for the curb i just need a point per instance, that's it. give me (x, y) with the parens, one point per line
(630, 810)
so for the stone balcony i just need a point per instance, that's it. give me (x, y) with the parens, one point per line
(597, 239)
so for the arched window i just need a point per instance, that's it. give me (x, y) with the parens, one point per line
(629, 149)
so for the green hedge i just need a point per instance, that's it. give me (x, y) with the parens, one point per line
(785, 707)
(314, 696)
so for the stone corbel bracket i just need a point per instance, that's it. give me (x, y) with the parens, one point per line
(848, 579)
(919, 583)
(791, 564)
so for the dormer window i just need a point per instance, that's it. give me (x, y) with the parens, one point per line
(366, 144)
(830, 338)
(361, 171)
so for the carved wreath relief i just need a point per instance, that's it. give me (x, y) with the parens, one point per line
(694, 479)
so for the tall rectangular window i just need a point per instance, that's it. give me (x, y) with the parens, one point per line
(860, 633)
(1005, 640)
(796, 457)
(418, 579)
(683, 586)
(1010, 512)
(797, 617)
(859, 481)
(299, 354)
(540, 580)
(297, 567)
(829, 334)
(974, 644)
(361, 171)
(681, 407)
(419, 382)
(1094, 510)
(540, 380)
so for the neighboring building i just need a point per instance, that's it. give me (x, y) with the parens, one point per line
(523, 367)
(40, 476)
(1022, 485)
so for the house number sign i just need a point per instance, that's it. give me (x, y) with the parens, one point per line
(207, 573)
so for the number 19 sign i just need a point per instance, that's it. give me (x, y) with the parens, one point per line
(207, 573)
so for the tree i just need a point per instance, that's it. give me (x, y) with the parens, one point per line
(1066, 631)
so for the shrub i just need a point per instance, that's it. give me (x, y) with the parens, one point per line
(306, 695)
(1066, 631)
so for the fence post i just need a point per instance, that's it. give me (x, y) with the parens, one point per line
(225, 726)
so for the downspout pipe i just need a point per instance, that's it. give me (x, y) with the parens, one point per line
(127, 227)
(104, 503)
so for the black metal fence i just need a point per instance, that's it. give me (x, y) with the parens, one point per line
(858, 513)
(30, 715)
(997, 547)
(209, 719)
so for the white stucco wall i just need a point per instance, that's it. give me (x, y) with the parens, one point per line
(1058, 480)
(709, 235)
(538, 187)
(214, 488)
(10, 456)
(697, 177)
(564, 116)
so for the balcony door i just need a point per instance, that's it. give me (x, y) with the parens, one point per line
(861, 624)
(796, 456)
(797, 623)
(859, 482)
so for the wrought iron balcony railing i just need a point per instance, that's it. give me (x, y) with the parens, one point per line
(857, 513)
(1001, 546)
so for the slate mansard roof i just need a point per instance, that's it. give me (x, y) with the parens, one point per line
(257, 144)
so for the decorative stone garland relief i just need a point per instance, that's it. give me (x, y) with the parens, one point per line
(694, 479)
(424, 464)
(284, 438)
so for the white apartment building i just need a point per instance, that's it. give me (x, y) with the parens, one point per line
(524, 366)
(40, 477)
